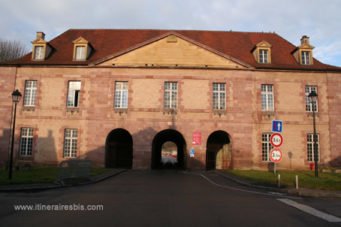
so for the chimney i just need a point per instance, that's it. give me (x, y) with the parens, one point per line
(305, 40)
(41, 35)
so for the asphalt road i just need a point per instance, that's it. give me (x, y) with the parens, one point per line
(163, 198)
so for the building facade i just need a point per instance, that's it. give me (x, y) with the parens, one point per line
(117, 96)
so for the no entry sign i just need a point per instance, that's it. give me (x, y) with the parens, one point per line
(276, 139)
(276, 155)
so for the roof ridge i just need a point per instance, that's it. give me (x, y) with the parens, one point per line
(168, 30)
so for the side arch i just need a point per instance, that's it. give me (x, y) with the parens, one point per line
(218, 151)
(119, 149)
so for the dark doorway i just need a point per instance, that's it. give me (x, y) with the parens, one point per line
(164, 141)
(218, 151)
(119, 149)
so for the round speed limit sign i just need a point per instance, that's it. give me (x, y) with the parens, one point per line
(276, 155)
(276, 139)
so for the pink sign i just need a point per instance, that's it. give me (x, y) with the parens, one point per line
(196, 140)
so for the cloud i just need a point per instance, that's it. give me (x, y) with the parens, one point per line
(291, 19)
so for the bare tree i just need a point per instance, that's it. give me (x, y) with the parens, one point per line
(10, 50)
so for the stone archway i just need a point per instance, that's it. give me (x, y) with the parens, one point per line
(218, 151)
(119, 149)
(168, 135)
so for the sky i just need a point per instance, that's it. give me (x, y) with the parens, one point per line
(318, 19)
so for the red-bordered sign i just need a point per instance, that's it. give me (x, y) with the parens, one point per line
(196, 138)
(276, 155)
(276, 139)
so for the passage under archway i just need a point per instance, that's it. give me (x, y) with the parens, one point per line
(119, 149)
(168, 150)
(218, 151)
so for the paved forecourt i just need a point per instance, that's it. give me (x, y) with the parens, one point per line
(154, 198)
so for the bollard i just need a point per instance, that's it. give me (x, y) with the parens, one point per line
(296, 181)
(279, 180)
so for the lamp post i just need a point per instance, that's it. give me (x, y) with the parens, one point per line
(16, 95)
(313, 100)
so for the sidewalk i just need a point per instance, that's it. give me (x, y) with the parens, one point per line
(292, 191)
(47, 186)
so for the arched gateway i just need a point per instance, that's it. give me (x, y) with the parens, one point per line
(218, 151)
(119, 149)
(161, 148)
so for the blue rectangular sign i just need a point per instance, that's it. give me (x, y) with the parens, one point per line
(277, 126)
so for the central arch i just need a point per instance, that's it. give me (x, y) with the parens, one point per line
(119, 149)
(160, 139)
(218, 151)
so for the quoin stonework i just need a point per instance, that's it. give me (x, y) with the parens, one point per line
(121, 98)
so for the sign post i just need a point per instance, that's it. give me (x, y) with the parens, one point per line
(275, 157)
(276, 140)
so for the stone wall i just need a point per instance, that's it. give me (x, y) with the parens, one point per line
(7, 80)
(243, 120)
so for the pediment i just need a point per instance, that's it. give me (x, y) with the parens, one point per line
(306, 46)
(39, 41)
(80, 40)
(264, 44)
(172, 51)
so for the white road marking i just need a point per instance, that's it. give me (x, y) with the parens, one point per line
(310, 210)
(272, 194)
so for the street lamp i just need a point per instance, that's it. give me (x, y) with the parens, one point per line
(313, 100)
(16, 95)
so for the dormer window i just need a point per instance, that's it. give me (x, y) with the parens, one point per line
(80, 53)
(263, 56)
(41, 49)
(262, 52)
(81, 49)
(304, 52)
(38, 53)
(305, 57)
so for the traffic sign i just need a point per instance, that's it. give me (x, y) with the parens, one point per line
(276, 139)
(192, 152)
(276, 155)
(196, 138)
(277, 126)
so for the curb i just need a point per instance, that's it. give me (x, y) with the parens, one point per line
(43, 187)
(304, 192)
(244, 183)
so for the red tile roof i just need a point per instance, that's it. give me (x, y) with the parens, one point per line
(238, 45)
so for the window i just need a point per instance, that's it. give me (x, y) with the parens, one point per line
(30, 92)
(170, 95)
(262, 52)
(26, 141)
(38, 53)
(81, 49)
(80, 54)
(310, 147)
(219, 96)
(267, 97)
(266, 146)
(70, 143)
(73, 94)
(121, 95)
(310, 104)
(263, 56)
(305, 57)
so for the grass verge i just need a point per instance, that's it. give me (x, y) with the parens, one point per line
(306, 179)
